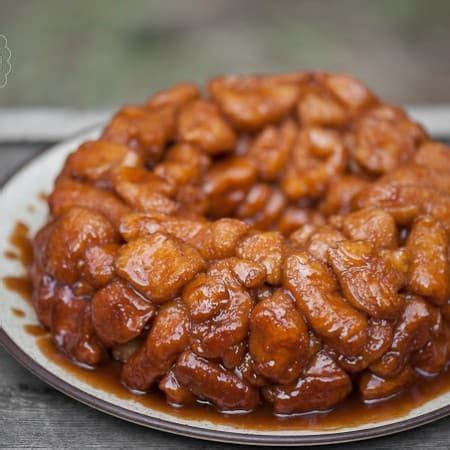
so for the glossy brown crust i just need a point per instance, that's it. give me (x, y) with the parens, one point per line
(119, 313)
(368, 282)
(167, 338)
(211, 382)
(278, 341)
(322, 385)
(158, 265)
(282, 239)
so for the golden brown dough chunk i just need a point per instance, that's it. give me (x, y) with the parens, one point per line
(318, 155)
(177, 95)
(144, 190)
(227, 183)
(69, 193)
(321, 386)
(252, 102)
(318, 298)
(72, 234)
(385, 138)
(72, 329)
(374, 225)
(176, 394)
(340, 193)
(183, 164)
(119, 313)
(294, 217)
(406, 202)
(317, 240)
(266, 249)
(428, 251)
(246, 371)
(247, 273)
(368, 282)
(432, 359)
(417, 325)
(44, 285)
(445, 310)
(94, 160)
(373, 387)
(220, 238)
(262, 206)
(200, 123)
(348, 90)
(271, 148)
(213, 240)
(167, 338)
(43, 297)
(136, 225)
(219, 306)
(144, 129)
(210, 381)
(158, 265)
(434, 155)
(380, 339)
(278, 340)
(123, 352)
(98, 264)
(418, 176)
(318, 107)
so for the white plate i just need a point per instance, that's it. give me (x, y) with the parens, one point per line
(23, 189)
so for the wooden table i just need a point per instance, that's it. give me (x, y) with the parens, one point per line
(34, 415)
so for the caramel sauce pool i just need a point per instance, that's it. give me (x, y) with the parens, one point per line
(352, 412)
(18, 312)
(23, 252)
(21, 242)
(20, 285)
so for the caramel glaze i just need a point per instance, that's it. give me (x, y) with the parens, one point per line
(20, 285)
(18, 312)
(35, 330)
(349, 413)
(23, 252)
(10, 254)
(21, 242)
(43, 196)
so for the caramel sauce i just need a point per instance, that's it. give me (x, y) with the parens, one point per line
(21, 241)
(18, 312)
(352, 412)
(35, 330)
(20, 285)
(11, 255)
(23, 252)
(42, 196)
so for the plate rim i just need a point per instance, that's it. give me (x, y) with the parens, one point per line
(191, 431)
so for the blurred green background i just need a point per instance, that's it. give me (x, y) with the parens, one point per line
(89, 53)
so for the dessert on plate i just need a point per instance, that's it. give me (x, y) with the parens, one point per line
(279, 239)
